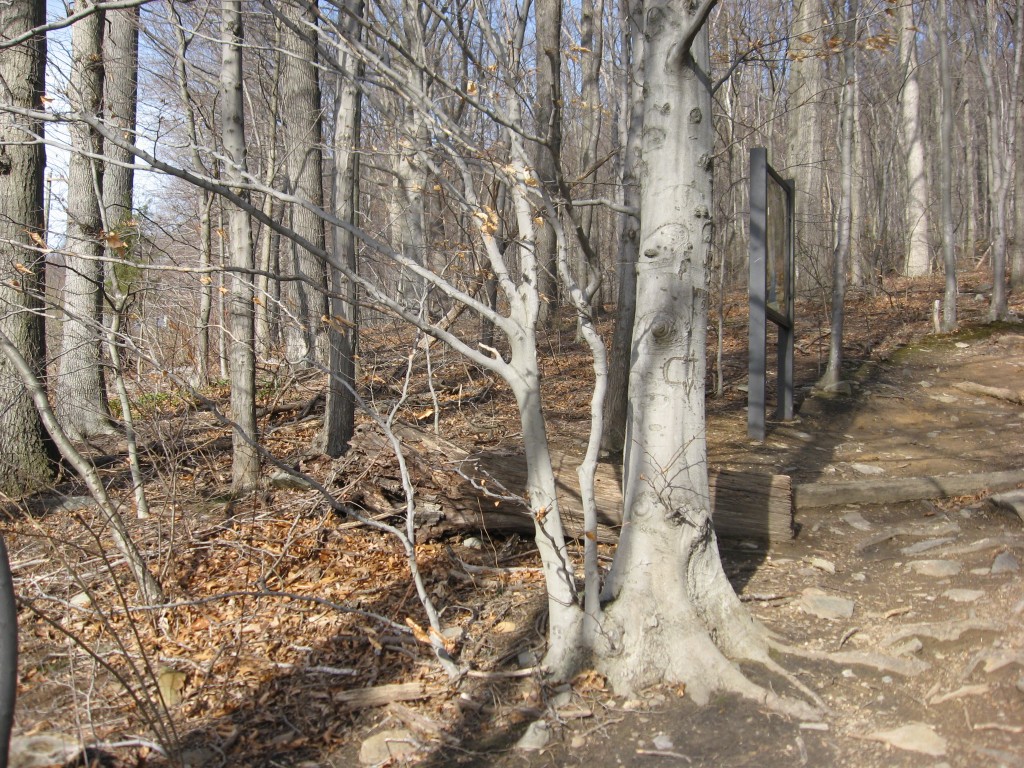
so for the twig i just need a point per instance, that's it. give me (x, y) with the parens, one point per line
(663, 753)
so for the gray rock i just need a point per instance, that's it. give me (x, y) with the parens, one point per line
(1005, 562)
(908, 648)
(866, 469)
(43, 749)
(915, 737)
(963, 595)
(1011, 501)
(857, 520)
(663, 742)
(536, 737)
(285, 480)
(387, 746)
(924, 546)
(825, 606)
(939, 569)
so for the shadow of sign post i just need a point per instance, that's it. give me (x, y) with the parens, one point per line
(771, 288)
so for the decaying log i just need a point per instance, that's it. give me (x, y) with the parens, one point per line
(897, 489)
(460, 491)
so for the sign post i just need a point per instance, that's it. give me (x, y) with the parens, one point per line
(771, 288)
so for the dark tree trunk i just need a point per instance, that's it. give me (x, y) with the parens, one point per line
(26, 455)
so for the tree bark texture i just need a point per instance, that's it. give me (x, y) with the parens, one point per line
(918, 261)
(26, 455)
(806, 149)
(841, 259)
(80, 395)
(614, 437)
(120, 99)
(245, 465)
(669, 595)
(343, 328)
(547, 155)
(305, 293)
(948, 228)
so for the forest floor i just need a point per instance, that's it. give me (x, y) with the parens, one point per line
(291, 640)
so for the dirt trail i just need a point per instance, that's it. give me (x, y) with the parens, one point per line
(934, 586)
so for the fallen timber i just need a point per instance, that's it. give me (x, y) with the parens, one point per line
(459, 491)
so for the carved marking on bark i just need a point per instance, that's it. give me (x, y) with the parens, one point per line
(675, 369)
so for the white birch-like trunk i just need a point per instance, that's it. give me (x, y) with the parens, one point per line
(673, 615)
(919, 259)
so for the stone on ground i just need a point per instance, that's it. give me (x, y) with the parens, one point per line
(825, 606)
(387, 746)
(1005, 562)
(939, 569)
(915, 737)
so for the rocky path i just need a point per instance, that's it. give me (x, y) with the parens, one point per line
(907, 618)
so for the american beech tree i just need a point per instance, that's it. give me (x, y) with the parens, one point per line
(80, 393)
(444, 107)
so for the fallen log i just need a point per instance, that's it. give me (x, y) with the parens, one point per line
(898, 489)
(460, 491)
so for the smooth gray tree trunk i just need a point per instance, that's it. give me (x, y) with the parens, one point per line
(245, 465)
(26, 454)
(80, 399)
(673, 617)
(806, 141)
(918, 259)
(949, 309)
(305, 293)
(833, 370)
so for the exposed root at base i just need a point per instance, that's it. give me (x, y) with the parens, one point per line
(877, 661)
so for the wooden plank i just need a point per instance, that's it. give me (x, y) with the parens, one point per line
(891, 491)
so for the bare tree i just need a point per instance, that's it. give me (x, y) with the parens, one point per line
(833, 370)
(301, 106)
(949, 309)
(80, 393)
(343, 327)
(806, 142)
(919, 258)
(629, 239)
(548, 150)
(1000, 108)
(26, 455)
(245, 466)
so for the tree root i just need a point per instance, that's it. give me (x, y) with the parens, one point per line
(877, 661)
